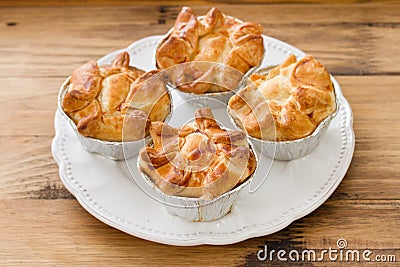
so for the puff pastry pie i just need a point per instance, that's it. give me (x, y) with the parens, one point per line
(199, 160)
(213, 38)
(286, 104)
(106, 102)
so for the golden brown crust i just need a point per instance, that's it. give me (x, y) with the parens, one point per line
(115, 102)
(86, 85)
(214, 38)
(198, 160)
(286, 104)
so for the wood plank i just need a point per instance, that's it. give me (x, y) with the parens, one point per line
(29, 170)
(28, 105)
(282, 13)
(362, 223)
(51, 43)
(61, 232)
(173, 2)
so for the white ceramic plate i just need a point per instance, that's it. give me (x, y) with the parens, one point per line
(292, 190)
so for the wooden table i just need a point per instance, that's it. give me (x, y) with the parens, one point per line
(42, 42)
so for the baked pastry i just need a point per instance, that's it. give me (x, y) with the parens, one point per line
(199, 160)
(213, 38)
(286, 104)
(115, 102)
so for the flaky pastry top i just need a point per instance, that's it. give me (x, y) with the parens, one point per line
(286, 104)
(214, 38)
(115, 102)
(198, 160)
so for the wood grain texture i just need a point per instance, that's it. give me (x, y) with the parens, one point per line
(61, 232)
(350, 41)
(42, 3)
(43, 41)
